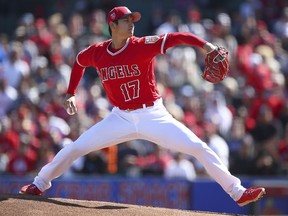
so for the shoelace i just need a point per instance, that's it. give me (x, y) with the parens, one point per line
(249, 192)
(32, 187)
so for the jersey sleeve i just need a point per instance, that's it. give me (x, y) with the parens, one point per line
(83, 60)
(84, 57)
(153, 45)
(75, 77)
(187, 38)
(158, 44)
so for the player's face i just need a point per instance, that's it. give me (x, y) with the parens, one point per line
(126, 27)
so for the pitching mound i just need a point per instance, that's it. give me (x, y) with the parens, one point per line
(26, 205)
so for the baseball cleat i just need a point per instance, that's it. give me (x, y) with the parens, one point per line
(30, 189)
(251, 195)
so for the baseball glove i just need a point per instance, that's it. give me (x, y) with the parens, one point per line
(216, 65)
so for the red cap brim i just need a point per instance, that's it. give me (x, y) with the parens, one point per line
(136, 16)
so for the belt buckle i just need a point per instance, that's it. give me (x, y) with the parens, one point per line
(129, 110)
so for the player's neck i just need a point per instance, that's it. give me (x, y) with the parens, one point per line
(118, 42)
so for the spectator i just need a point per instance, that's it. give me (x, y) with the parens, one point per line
(76, 26)
(218, 112)
(236, 136)
(194, 24)
(42, 37)
(265, 164)
(266, 127)
(9, 138)
(240, 161)
(266, 135)
(156, 18)
(280, 28)
(216, 143)
(222, 35)
(127, 157)
(30, 50)
(180, 167)
(4, 41)
(22, 161)
(15, 68)
(8, 95)
(171, 23)
(95, 163)
(154, 163)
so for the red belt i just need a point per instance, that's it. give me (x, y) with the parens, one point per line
(137, 106)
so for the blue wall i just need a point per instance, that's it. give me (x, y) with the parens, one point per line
(202, 194)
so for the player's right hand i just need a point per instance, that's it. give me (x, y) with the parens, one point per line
(70, 104)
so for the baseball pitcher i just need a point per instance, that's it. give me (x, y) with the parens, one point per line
(125, 64)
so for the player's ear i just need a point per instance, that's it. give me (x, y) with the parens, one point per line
(112, 26)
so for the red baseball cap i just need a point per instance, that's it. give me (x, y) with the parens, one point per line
(121, 12)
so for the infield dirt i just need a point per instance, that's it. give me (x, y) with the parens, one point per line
(25, 205)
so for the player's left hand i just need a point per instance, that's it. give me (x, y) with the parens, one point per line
(217, 65)
(70, 104)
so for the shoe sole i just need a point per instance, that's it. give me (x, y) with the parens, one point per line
(24, 193)
(260, 195)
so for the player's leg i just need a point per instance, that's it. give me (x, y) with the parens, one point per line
(164, 130)
(110, 131)
(180, 138)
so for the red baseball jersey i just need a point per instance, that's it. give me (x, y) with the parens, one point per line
(127, 74)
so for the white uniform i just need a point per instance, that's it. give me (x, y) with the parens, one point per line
(154, 124)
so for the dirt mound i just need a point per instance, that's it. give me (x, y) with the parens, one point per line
(26, 205)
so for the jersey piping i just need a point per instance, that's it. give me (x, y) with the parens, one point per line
(163, 43)
(119, 51)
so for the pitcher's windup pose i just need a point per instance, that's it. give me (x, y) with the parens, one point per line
(125, 66)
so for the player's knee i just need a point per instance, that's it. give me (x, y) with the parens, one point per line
(75, 150)
(201, 148)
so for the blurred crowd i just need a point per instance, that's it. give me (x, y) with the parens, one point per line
(243, 119)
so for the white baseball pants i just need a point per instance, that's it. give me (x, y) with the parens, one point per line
(154, 124)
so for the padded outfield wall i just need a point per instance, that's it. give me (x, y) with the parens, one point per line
(202, 194)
